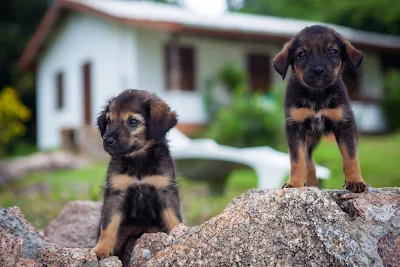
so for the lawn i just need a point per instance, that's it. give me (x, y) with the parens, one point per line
(379, 159)
(42, 195)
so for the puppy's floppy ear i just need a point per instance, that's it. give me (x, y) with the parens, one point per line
(161, 118)
(101, 120)
(353, 56)
(282, 60)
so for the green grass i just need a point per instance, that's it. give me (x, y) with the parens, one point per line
(379, 160)
(41, 195)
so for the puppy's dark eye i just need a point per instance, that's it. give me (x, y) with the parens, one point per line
(333, 52)
(301, 54)
(133, 122)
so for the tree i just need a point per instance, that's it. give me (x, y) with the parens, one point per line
(369, 15)
(18, 21)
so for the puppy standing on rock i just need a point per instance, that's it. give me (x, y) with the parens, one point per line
(141, 193)
(317, 103)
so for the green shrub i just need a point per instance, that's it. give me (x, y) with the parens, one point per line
(391, 99)
(230, 77)
(253, 119)
(13, 114)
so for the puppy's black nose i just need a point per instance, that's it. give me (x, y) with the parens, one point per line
(319, 70)
(109, 140)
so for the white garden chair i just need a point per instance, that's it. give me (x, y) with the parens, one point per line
(271, 166)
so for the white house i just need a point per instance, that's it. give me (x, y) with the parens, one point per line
(85, 51)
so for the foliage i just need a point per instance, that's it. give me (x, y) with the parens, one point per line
(251, 120)
(230, 77)
(18, 21)
(391, 99)
(12, 115)
(365, 15)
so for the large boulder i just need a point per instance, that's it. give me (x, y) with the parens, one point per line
(289, 227)
(22, 246)
(76, 226)
(281, 227)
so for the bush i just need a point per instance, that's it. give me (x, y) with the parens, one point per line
(13, 114)
(391, 99)
(222, 84)
(231, 77)
(253, 119)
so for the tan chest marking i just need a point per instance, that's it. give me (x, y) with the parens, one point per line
(301, 114)
(122, 181)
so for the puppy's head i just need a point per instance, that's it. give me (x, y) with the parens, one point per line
(133, 121)
(317, 55)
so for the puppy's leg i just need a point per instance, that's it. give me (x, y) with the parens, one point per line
(171, 213)
(311, 143)
(110, 224)
(346, 137)
(298, 166)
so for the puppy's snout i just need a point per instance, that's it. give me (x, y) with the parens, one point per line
(109, 140)
(319, 70)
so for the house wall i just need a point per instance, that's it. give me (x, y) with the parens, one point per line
(125, 58)
(211, 55)
(369, 115)
(111, 50)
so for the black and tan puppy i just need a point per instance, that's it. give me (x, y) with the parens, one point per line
(141, 193)
(316, 102)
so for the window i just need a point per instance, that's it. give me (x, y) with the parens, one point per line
(87, 92)
(259, 69)
(350, 79)
(180, 67)
(60, 90)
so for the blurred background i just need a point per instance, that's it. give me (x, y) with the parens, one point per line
(210, 60)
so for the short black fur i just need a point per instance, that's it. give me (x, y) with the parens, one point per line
(316, 101)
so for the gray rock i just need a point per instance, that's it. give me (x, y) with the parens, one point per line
(290, 227)
(281, 227)
(22, 246)
(76, 226)
(18, 238)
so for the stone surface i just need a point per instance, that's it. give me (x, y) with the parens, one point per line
(76, 226)
(111, 262)
(18, 238)
(290, 227)
(281, 227)
(28, 263)
(389, 249)
(53, 255)
(149, 244)
(22, 246)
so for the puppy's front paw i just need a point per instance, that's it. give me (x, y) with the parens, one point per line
(102, 251)
(356, 187)
(288, 185)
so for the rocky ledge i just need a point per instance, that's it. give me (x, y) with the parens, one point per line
(280, 227)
